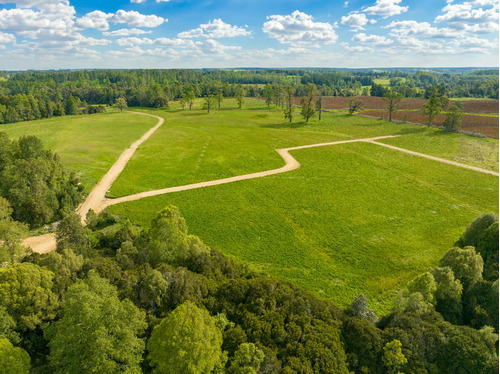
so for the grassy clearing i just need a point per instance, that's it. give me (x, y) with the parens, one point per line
(480, 152)
(354, 218)
(87, 145)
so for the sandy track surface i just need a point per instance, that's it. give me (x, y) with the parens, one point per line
(46, 243)
(97, 200)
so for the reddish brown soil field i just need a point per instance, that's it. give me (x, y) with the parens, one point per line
(472, 106)
(484, 125)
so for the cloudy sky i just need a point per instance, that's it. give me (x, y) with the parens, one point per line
(55, 34)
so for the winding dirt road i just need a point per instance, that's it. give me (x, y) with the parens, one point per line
(97, 200)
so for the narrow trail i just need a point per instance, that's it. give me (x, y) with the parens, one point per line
(98, 201)
(47, 242)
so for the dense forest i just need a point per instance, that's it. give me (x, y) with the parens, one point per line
(33, 95)
(117, 298)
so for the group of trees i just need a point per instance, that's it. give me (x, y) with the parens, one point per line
(34, 95)
(117, 298)
(34, 183)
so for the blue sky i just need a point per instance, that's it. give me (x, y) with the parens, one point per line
(61, 34)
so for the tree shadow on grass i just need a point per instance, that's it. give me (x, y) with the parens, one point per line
(286, 125)
(195, 114)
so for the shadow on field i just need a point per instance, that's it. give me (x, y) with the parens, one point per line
(416, 130)
(286, 125)
(194, 114)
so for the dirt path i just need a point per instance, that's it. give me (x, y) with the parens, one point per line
(435, 158)
(46, 243)
(97, 200)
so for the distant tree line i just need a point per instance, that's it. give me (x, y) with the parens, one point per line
(44, 94)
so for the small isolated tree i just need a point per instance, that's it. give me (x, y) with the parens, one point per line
(393, 358)
(209, 102)
(319, 107)
(354, 105)
(392, 99)
(453, 121)
(268, 94)
(307, 102)
(121, 103)
(288, 109)
(187, 341)
(238, 94)
(219, 96)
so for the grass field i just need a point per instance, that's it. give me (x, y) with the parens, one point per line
(354, 218)
(87, 145)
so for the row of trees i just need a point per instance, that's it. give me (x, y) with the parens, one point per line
(117, 298)
(33, 95)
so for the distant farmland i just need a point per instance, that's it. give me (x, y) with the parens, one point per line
(485, 123)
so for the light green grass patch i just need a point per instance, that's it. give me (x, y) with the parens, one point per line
(354, 218)
(88, 144)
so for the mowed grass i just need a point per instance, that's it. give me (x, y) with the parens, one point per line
(89, 144)
(354, 218)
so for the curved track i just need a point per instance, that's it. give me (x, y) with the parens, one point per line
(97, 200)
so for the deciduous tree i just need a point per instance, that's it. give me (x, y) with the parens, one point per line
(187, 341)
(392, 99)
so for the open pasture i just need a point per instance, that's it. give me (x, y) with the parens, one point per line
(354, 218)
(87, 145)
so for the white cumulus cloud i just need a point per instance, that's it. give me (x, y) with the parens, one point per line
(386, 8)
(214, 30)
(95, 20)
(136, 19)
(476, 15)
(371, 39)
(126, 32)
(356, 21)
(300, 29)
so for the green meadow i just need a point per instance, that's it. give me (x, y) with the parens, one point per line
(88, 144)
(354, 218)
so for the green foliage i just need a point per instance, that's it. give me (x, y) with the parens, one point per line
(393, 357)
(467, 265)
(153, 291)
(26, 294)
(121, 103)
(426, 286)
(167, 233)
(476, 229)
(13, 360)
(487, 246)
(65, 265)
(247, 359)
(448, 294)
(97, 333)
(354, 105)
(187, 341)
(392, 99)
(360, 309)
(7, 327)
(71, 233)
(453, 121)
(35, 183)
(11, 234)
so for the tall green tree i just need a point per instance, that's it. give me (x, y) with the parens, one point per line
(306, 103)
(289, 107)
(238, 94)
(453, 120)
(97, 332)
(319, 107)
(187, 341)
(26, 294)
(467, 265)
(209, 102)
(121, 103)
(268, 94)
(392, 99)
(247, 359)
(393, 358)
